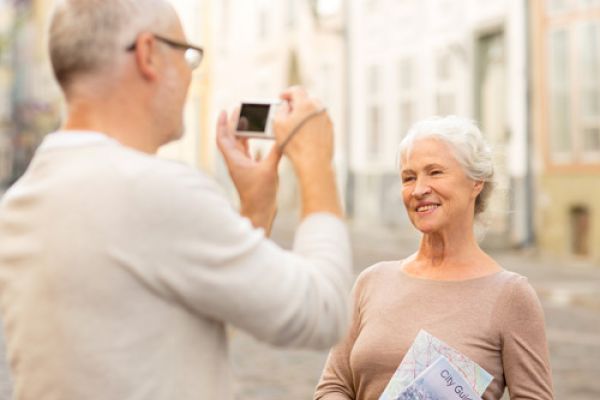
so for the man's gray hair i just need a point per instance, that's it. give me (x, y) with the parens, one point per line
(467, 143)
(86, 36)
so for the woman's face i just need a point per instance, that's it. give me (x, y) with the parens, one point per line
(436, 191)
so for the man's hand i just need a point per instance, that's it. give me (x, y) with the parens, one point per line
(256, 180)
(313, 143)
(310, 149)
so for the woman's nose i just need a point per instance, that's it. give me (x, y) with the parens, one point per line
(421, 189)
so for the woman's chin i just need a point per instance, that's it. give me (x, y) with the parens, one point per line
(426, 228)
(426, 231)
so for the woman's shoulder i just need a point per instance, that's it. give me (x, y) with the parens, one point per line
(514, 283)
(518, 296)
(379, 272)
(508, 278)
(380, 268)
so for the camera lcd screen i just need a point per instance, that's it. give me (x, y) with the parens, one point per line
(253, 117)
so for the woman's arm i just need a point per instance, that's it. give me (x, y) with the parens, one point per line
(336, 381)
(525, 355)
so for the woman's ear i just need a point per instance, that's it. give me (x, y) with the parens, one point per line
(478, 187)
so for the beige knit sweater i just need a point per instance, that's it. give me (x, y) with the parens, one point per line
(119, 271)
(495, 320)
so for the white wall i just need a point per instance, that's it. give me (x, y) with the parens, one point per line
(194, 15)
(384, 32)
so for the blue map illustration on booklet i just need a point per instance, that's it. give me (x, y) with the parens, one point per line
(425, 350)
(439, 381)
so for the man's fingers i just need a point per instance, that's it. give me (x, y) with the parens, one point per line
(316, 103)
(294, 95)
(292, 92)
(232, 150)
(274, 155)
(234, 117)
(283, 110)
(222, 129)
(222, 120)
(243, 144)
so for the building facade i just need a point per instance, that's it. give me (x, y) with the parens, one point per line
(414, 59)
(29, 106)
(566, 108)
(7, 18)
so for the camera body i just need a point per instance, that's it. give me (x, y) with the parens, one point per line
(256, 117)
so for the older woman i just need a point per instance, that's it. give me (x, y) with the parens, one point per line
(450, 287)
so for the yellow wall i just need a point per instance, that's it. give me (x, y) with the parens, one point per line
(558, 193)
(560, 187)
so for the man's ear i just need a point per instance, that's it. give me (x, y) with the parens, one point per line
(145, 56)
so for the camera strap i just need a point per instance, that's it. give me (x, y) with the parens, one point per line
(299, 126)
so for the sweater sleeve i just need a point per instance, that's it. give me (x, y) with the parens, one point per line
(197, 251)
(525, 355)
(336, 381)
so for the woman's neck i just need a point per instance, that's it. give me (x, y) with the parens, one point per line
(439, 248)
(450, 255)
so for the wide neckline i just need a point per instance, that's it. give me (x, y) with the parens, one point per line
(448, 282)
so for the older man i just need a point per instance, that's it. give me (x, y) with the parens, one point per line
(119, 270)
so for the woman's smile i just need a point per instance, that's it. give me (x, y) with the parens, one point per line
(426, 208)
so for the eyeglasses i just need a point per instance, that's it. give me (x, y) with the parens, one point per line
(193, 55)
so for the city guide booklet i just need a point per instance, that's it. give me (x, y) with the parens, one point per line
(423, 369)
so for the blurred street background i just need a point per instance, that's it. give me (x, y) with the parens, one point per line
(528, 71)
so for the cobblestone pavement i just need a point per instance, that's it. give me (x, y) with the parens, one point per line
(570, 294)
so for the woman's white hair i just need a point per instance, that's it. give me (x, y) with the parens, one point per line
(86, 36)
(466, 142)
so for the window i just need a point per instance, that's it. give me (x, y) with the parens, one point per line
(560, 115)
(590, 89)
(556, 7)
(574, 92)
(327, 8)
(589, 3)
(374, 111)
(445, 96)
(371, 5)
(291, 14)
(407, 112)
(225, 17)
(374, 136)
(406, 95)
(263, 22)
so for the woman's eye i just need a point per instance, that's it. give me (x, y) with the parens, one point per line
(407, 179)
(436, 172)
